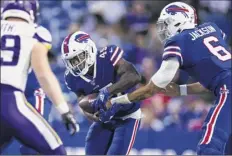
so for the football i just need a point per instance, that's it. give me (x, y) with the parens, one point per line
(85, 103)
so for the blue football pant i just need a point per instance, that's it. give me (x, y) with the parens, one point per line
(216, 136)
(112, 138)
(23, 122)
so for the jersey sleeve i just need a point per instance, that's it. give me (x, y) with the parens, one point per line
(115, 54)
(43, 36)
(172, 49)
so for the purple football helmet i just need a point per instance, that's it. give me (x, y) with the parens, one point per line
(24, 9)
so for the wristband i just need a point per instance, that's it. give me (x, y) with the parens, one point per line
(63, 108)
(183, 90)
(120, 100)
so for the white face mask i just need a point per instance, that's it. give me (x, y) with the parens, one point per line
(77, 63)
(80, 63)
(162, 30)
(167, 28)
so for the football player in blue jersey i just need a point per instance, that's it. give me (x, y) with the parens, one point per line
(202, 52)
(104, 72)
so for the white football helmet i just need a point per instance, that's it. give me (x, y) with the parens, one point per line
(27, 10)
(174, 18)
(78, 53)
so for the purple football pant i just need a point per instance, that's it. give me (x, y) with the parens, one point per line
(21, 121)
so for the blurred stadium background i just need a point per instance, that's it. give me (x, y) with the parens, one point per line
(170, 126)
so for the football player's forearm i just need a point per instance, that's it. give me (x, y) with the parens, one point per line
(138, 95)
(157, 84)
(129, 77)
(90, 116)
(46, 78)
(127, 81)
(196, 88)
(52, 88)
(143, 92)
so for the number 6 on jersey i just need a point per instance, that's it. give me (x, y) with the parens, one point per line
(216, 50)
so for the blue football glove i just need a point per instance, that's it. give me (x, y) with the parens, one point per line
(106, 116)
(101, 100)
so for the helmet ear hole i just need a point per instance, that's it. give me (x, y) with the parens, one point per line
(176, 25)
(165, 23)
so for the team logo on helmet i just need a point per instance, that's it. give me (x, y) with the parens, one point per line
(82, 38)
(173, 9)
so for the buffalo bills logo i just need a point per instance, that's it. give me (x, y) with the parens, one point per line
(173, 9)
(82, 38)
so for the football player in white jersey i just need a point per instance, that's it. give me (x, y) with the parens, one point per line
(33, 92)
(20, 49)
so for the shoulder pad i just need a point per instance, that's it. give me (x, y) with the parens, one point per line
(43, 36)
(209, 23)
(172, 40)
(224, 36)
(115, 53)
(109, 48)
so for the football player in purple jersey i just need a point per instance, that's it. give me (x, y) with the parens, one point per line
(20, 49)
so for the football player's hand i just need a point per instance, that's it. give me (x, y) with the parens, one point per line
(172, 89)
(106, 116)
(108, 104)
(101, 100)
(70, 121)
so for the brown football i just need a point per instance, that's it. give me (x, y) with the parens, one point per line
(85, 103)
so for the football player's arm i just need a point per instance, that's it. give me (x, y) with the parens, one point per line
(174, 89)
(129, 77)
(157, 83)
(46, 77)
(196, 88)
(90, 116)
